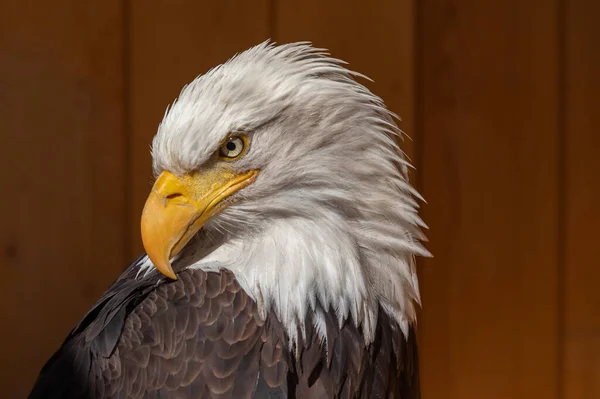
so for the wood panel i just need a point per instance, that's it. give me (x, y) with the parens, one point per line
(486, 121)
(172, 42)
(582, 191)
(62, 149)
(376, 40)
(488, 112)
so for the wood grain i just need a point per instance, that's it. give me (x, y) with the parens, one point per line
(62, 148)
(582, 191)
(376, 40)
(478, 86)
(488, 107)
(172, 42)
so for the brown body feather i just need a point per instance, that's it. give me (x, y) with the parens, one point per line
(201, 337)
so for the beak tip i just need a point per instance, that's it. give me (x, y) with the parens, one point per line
(163, 266)
(171, 275)
(166, 269)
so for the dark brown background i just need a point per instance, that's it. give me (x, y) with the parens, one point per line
(500, 98)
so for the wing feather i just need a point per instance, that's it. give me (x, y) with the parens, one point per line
(201, 336)
(146, 338)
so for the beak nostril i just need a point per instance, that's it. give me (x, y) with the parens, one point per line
(173, 196)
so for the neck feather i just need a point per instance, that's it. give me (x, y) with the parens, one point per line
(298, 265)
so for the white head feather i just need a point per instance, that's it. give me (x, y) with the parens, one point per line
(331, 218)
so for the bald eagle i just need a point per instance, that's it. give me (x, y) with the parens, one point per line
(280, 237)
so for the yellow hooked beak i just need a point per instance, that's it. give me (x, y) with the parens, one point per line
(177, 208)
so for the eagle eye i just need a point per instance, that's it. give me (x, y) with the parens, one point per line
(233, 148)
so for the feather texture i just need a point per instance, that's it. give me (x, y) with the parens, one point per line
(202, 337)
(303, 286)
(331, 215)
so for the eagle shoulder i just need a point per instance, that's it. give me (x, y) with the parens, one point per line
(201, 336)
(198, 336)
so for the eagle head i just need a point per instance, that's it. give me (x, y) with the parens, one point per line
(279, 166)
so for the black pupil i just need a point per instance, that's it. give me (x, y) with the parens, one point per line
(231, 146)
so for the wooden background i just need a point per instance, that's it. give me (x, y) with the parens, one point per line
(501, 100)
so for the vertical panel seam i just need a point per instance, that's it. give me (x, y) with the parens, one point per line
(417, 97)
(126, 99)
(417, 92)
(272, 19)
(562, 105)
